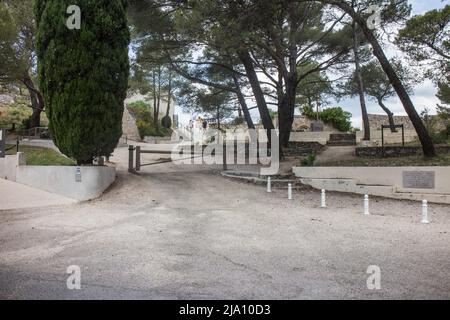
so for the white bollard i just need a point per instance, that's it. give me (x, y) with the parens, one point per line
(366, 205)
(425, 212)
(269, 184)
(323, 199)
(290, 191)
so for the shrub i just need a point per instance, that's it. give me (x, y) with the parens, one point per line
(339, 118)
(143, 114)
(336, 116)
(309, 160)
(83, 75)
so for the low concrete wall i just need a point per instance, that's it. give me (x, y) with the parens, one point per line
(320, 137)
(59, 179)
(9, 164)
(380, 181)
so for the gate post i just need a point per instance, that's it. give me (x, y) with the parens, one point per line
(138, 158)
(130, 159)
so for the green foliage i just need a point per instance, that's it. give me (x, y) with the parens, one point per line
(425, 38)
(336, 116)
(313, 89)
(376, 83)
(438, 135)
(17, 31)
(237, 121)
(444, 91)
(143, 114)
(309, 160)
(19, 113)
(273, 114)
(339, 118)
(83, 75)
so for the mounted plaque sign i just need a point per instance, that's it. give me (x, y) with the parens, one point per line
(419, 179)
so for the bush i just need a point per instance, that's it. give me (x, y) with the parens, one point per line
(309, 160)
(83, 75)
(143, 114)
(237, 121)
(336, 116)
(339, 118)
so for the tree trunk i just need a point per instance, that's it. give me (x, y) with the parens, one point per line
(243, 104)
(169, 96)
(159, 100)
(244, 56)
(286, 112)
(424, 136)
(155, 100)
(390, 115)
(37, 103)
(360, 85)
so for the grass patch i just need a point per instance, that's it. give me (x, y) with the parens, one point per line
(37, 156)
(416, 160)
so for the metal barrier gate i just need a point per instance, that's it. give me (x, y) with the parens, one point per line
(135, 164)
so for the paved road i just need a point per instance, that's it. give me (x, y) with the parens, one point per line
(18, 196)
(185, 233)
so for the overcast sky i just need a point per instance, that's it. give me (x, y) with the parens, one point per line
(424, 95)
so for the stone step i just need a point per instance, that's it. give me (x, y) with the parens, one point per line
(341, 143)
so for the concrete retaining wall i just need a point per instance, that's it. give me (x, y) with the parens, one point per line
(59, 179)
(320, 137)
(9, 164)
(324, 136)
(379, 181)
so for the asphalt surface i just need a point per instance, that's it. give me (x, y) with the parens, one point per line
(189, 233)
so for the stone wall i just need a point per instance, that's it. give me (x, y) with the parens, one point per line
(303, 124)
(389, 137)
(394, 151)
(377, 120)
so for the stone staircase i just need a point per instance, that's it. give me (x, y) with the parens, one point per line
(342, 139)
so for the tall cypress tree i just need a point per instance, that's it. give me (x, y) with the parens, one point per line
(83, 74)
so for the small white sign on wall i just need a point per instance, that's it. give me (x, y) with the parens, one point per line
(78, 175)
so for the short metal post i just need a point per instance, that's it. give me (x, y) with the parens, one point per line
(425, 212)
(323, 201)
(138, 158)
(269, 184)
(366, 205)
(130, 158)
(290, 191)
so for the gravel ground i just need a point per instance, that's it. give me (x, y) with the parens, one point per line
(188, 233)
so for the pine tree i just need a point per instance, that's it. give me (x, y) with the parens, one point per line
(83, 74)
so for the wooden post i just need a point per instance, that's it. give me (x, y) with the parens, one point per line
(138, 158)
(130, 158)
